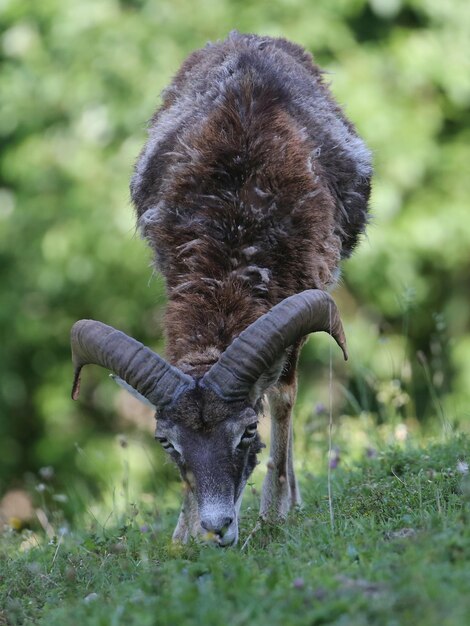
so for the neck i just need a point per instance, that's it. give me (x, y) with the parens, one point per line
(204, 318)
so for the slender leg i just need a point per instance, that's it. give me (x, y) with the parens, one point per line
(188, 520)
(280, 489)
(294, 492)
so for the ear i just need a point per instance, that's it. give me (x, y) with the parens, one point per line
(131, 390)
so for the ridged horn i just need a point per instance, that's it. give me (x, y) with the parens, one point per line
(140, 367)
(258, 347)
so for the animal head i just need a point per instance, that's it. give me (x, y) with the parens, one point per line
(208, 424)
(214, 443)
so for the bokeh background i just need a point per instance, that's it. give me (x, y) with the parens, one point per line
(79, 80)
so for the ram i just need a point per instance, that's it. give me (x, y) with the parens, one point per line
(251, 188)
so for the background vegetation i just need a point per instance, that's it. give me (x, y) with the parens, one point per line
(88, 500)
(78, 81)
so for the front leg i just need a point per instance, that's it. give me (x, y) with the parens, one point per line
(188, 521)
(280, 489)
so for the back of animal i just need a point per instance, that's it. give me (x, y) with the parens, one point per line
(253, 184)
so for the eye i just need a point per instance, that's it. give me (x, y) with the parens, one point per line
(249, 434)
(250, 430)
(166, 445)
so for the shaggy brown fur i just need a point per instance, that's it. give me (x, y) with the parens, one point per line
(252, 187)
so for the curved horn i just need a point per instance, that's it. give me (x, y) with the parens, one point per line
(154, 378)
(257, 348)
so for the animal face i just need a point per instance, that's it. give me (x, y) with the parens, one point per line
(215, 459)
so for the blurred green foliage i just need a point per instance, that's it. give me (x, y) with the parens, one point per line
(78, 82)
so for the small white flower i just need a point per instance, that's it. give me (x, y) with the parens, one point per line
(91, 597)
(401, 432)
(46, 473)
(60, 497)
(462, 467)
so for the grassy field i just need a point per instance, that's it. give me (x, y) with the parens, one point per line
(399, 554)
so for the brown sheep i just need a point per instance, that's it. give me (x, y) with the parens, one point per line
(251, 188)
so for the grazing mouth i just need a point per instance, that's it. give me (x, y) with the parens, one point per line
(227, 539)
(219, 542)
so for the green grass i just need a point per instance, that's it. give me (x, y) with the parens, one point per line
(399, 555)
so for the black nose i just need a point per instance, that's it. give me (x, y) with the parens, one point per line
(217, 525)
